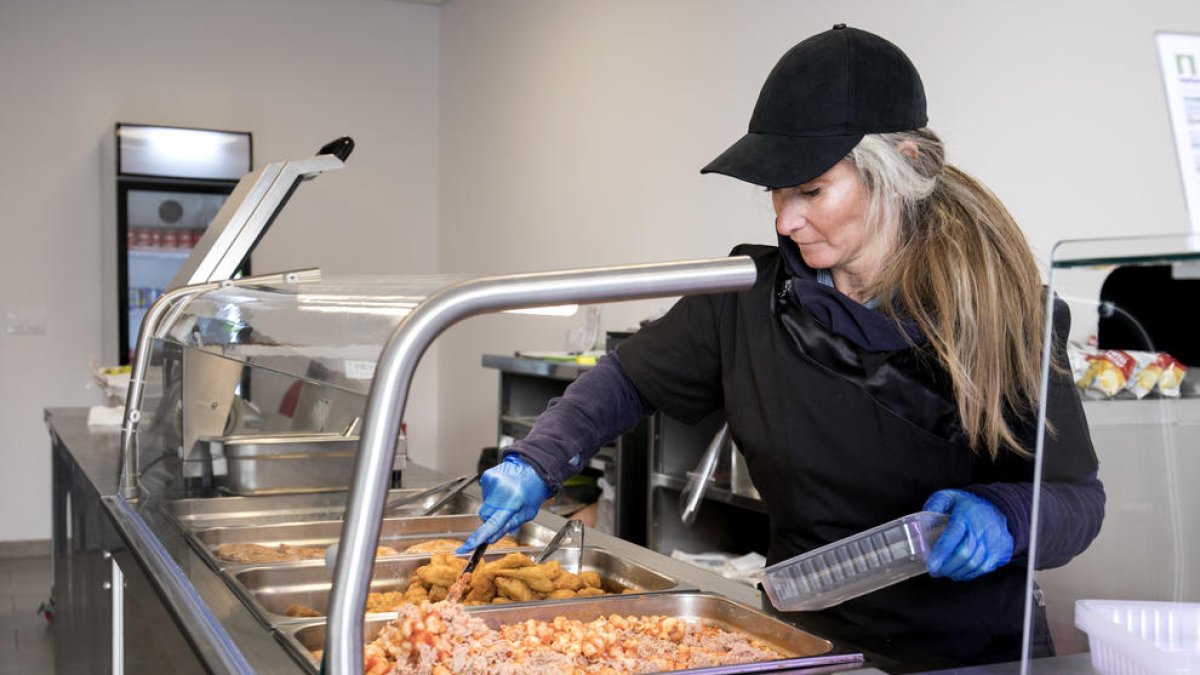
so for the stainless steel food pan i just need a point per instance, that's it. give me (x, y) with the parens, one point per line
(398, 533)
(801, 649)
(195, 514)
(284, 463)
(272, 589)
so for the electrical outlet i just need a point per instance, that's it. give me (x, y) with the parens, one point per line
(25, 323)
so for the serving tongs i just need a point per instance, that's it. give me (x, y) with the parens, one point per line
(698, 480)
(455, 593)
(574, 530)
(454, 485)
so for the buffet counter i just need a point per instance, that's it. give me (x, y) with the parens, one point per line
(134, 590)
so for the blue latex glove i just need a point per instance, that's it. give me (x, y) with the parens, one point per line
(512, 493)
(975, 541)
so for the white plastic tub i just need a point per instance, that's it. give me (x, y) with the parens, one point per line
(1131, 637)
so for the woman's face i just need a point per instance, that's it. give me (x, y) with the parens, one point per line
(827, 219)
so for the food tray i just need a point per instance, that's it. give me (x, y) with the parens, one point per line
(1130, 637)
(854, 566)
(272, 589)
(284, 463)
(803, 649)
(203, 513)
(399, 533)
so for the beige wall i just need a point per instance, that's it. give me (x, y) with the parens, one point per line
(514, 135)
(296, 73)
(573, 132)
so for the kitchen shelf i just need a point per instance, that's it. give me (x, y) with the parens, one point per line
(714, 491)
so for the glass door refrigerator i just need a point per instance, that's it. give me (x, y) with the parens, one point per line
(171, 181)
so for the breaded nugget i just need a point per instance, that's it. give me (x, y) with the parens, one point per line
(553, 569)
(514, 589)
(591, 578)
(568, 581)
(534, 576)
(435, 546)
(437, 575)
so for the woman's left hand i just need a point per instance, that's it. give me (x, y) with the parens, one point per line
(975, 541)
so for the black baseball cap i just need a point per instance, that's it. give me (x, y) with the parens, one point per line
(822, 97)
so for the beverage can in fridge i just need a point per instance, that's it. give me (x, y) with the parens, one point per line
(170, 238)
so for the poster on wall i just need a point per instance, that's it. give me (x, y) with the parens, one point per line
(1179, 60)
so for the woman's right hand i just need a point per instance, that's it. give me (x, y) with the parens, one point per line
(512, 494)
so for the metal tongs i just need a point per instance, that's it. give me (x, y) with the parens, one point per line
(699, 479)
(454, 485)
(573, 529)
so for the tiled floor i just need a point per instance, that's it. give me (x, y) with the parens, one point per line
(26, 639)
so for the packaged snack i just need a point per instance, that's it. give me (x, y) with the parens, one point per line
(1077, 358)
(1148, 368)
(1107, 373)
(1170, 381)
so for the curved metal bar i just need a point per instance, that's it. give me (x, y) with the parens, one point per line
(393, 375)
(205, 632)
(151, 323)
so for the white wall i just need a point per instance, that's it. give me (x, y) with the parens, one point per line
(572, 133)
(296, 73)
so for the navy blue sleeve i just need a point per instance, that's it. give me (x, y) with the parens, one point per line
(1070, 515)
(598, 406)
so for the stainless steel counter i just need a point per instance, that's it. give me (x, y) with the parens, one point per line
(132, 564)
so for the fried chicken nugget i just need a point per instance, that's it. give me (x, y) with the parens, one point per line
(450, 560)
(591, 578)
(482, 585)
(534, 576)
(560, 594)
(438, 593)
(512, 560)
(507, 541)
(515, 589)
(416, 593)
(589, 592)
(568, 581)
(437, 575)
(552, 569)
(385, 602)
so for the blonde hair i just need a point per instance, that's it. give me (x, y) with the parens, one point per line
(962, 270)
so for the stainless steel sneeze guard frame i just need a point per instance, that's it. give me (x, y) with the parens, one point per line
(393, 375)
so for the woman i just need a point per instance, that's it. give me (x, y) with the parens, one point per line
(887, 360)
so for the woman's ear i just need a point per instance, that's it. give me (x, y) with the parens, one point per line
(908, 148)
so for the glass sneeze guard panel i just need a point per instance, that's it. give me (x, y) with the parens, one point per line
(332, 330)
(1130, 602)
(260, 389)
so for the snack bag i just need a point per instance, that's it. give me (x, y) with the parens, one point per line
(1107, 373)
(1149, 367)
(1172, 377)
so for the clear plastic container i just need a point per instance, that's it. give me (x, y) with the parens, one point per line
(1132, 637)
(854, 566)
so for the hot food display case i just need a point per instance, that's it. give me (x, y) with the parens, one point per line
(262, 428)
